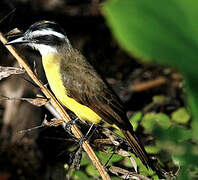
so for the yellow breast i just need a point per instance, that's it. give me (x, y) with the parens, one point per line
(51, 63)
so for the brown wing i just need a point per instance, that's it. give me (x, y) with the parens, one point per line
(86, 87)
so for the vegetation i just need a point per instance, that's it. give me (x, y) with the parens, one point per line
(164, 32)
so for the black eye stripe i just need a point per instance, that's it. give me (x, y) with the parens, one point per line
(48, 40)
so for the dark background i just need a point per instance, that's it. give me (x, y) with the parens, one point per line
(36, 155)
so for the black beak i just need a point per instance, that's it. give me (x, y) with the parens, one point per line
(18, 40)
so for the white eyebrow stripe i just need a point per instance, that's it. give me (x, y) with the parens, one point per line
(47, 32)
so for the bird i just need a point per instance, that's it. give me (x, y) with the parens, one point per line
(76, 84)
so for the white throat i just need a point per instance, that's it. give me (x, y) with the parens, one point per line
(44, 49)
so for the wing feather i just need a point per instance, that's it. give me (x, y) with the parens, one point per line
(85, 86)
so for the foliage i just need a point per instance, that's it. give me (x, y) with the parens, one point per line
(164, 32)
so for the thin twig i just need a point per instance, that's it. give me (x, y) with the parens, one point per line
(6, 16)
(149, 84)
(59, 108)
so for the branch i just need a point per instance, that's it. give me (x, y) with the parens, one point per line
(149, 84)
(59, 108)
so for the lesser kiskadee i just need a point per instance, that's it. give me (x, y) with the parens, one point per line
(76, 84)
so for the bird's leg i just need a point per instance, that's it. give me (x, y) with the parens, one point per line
(77, 155)
(67, 126)
(88, 134)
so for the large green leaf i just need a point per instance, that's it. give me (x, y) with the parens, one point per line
(157, 30)
(166, 32)
(160, 31)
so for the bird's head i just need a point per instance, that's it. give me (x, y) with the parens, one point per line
(45, 36)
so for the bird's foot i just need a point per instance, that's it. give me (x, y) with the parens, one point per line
(88, 135)
(67, 127)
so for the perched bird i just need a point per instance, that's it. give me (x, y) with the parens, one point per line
(76, 84)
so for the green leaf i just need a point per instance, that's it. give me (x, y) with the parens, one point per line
(104, 157)
(152, 149)
(85, 160)
(118, 132)
(78, 175)
(180, 116)
(174, 133)
(135, 119)
(189, 157)
(156, 30)
(159, 99)
(92, 171)
(151, 119)
(116, 178)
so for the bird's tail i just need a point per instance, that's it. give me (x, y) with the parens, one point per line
(137, 147)
(141, 153)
